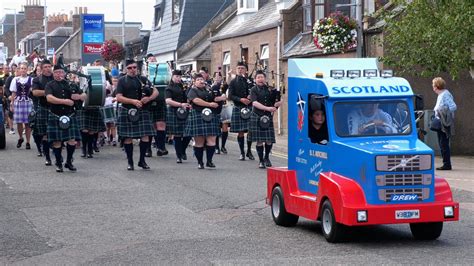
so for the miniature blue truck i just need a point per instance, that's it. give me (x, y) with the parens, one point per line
(372, 168)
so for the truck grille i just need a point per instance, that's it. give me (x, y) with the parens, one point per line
(387, 194)
(403, 163)
(403, 179)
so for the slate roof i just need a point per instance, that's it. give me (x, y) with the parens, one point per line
(266, 17)
(301, 45)
(201, 51)
(61, 32)
(8, 21)
(194, 15)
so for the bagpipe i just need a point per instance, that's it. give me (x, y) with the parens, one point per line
(258, 66)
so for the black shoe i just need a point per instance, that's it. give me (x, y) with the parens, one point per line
(90, 155)
(48, 163)
(200, 165)
(20, 141)
(28, 146)
(242, 157)
(70, 166)
(444, 167)
(130, 167)
(184, 156)
(83, 155)
(40, 154)
(143, 165)
(96, 149)
(210, 165)
(179, 160)
(268, 163)
(148, 154)
(165, 152)
(261, 165)
(159, 152)
(218, 151)
(224, 150)
(250, 156)
(59, 167)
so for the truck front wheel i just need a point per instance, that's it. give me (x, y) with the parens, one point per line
(279, 213)
(332, 230)
(426, 231)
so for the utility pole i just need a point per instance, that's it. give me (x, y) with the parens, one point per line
(123, 23)
(45, 30)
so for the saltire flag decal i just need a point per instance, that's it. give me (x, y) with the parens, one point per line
(301, 105)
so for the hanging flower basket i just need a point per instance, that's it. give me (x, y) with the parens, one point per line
(111, 50)
(335, 33)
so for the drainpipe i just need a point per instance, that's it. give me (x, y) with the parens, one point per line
(278, 74)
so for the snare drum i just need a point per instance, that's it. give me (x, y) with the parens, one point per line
(110, 114)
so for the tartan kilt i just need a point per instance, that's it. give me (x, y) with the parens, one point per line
(174, 126)
(258, 134)
(57, 134)
(143, 127)
(158, 112)
(196, 126)
(237, 124)
(21, 111)
(41, 124)
(91, 119)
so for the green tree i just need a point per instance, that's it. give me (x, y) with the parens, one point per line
(427, 37)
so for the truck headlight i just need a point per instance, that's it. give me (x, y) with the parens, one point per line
(449, 212)
(361, 216)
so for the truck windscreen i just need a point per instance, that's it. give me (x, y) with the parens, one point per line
(380, 118)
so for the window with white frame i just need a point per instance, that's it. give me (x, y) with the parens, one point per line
(175, 11)
(264, 55)
(226, 64)
(158, 16)
(245, 6)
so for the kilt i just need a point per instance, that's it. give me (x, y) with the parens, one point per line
(90, 119)
(174, 126)
(226, 114)
(258, 134)
(57, 134)
(158, 112)
(21, 111)
(196, 126)
(143, 127)
(41, 125)
(237, 124)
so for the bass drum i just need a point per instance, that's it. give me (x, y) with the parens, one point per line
(94, 87)
(159, 74)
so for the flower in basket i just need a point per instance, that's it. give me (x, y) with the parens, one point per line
(111, 50)
(335, 33)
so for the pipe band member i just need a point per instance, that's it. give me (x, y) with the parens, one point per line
(239, 93)
(200, 127)
(265, 101)
(176, 98)
(135, 92)
(61, 99)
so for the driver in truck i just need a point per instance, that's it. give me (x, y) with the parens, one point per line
(369, 119)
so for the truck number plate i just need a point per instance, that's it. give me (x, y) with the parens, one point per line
(407, 214)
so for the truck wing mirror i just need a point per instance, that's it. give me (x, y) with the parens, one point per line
(419, 103)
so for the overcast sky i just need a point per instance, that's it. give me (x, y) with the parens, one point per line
(135, 10)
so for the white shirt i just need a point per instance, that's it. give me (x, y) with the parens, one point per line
(22, 80)
(17, 59)
(356, 119)
(445, 98)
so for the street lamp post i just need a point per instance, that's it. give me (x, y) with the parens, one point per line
(14, 26)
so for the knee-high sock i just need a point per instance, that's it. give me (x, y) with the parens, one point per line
(260, 152)
(129, 151)
(199, 152)
(70, 152)
(160, 139)
(240, 140)
(143, 149)
(268, 149)
(210, 152)
(94, 138)
(85, 140)
(178, 146)
(46, 149)
(186, 141)
(57, 155)
(217, 142)
(224, 138)
(90, 143)
(37, 138)
(249, 145)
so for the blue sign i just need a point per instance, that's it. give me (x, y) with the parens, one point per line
(93, 37)
(93, 23)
